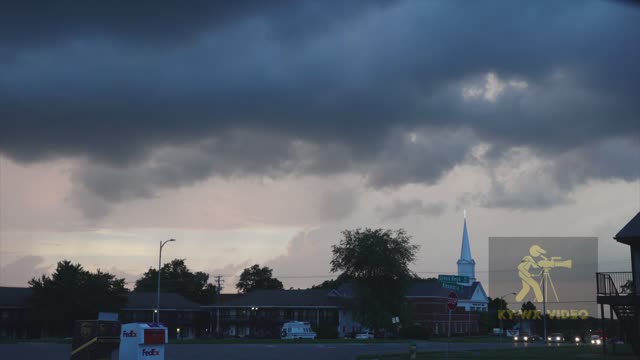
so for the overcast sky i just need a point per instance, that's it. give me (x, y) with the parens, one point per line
(254, 131)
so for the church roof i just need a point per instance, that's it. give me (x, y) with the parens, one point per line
(630, 233)
(465, 251)
(433, 289)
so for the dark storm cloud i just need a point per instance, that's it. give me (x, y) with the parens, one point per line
(25, 24)
(312, 87)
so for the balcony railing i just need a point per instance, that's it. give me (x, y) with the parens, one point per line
(614, 283)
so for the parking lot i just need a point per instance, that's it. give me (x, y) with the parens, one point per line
(317, 351)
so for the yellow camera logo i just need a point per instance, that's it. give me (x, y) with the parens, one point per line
(535, 273)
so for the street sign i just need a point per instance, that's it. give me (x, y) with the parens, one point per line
(453, 279)
(454, 287)
(452, 301)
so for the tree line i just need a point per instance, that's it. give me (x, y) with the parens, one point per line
(375, 262)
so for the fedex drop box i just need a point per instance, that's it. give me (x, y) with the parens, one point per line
(143, 341)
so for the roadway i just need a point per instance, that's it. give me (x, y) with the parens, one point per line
(341, 351)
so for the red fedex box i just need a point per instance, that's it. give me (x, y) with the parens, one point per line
(143, 341)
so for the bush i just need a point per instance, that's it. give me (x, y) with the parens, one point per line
(416, 332)
(327, 332)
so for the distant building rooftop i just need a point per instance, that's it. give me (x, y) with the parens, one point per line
(168, 301)
(281, 298)
(432, 288)
(14, 297)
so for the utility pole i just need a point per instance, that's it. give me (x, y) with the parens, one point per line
(219, 282)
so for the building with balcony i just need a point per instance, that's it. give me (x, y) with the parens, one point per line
(619, 290)
(183, 318)
(15, 314)
(261, 313)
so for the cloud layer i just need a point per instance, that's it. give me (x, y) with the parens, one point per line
(156, 95)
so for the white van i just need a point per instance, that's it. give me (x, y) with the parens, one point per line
(297, 330)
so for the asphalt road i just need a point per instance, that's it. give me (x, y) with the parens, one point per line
(35, 351)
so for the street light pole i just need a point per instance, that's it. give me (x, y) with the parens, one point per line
(162, 243)
(501, 326)
(544, 309)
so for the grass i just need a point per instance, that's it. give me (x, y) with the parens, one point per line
(473, 339)
(546, 353)
(42, 340)
(278, 341)
(223, 341)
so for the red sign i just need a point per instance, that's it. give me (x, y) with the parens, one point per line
(452, 301)
(154, 337)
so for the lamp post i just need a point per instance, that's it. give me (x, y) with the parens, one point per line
(544, 309)
(502, 327)
(162, 243)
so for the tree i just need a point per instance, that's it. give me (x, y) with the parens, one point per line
(72, 293)
(528, 306)
(333, 283)
(496, 304)
(255, 278)
(178, 278)
(378, 262)
(494, 307)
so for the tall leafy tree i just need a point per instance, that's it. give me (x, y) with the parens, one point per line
(256, 277)
(333, 283)
(73, 293)
(178, 278)
(378, 261)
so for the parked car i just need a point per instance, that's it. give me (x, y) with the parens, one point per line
(555, 338)
(365, 336)
(297, 330)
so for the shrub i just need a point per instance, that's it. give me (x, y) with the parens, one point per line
(327, 332)
(416, 332)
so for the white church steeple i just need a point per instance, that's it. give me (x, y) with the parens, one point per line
(466, 264)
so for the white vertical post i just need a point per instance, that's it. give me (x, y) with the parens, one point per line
(544, 307)
(448, 333)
